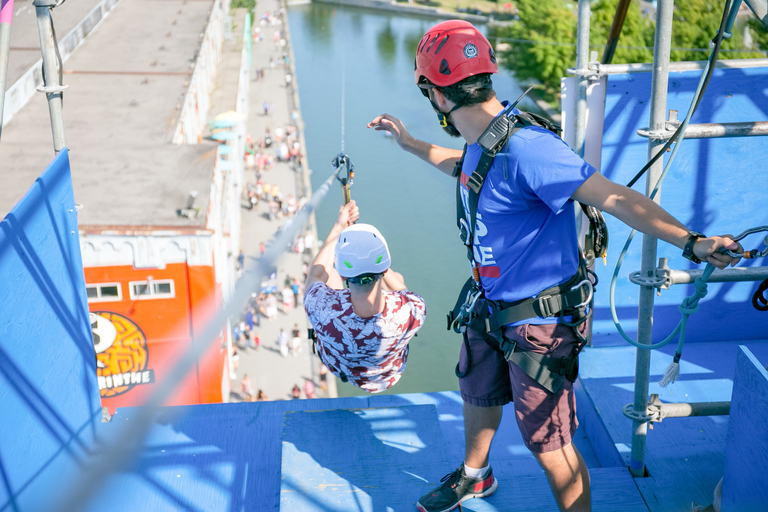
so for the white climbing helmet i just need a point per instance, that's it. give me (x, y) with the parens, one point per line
(361, 250)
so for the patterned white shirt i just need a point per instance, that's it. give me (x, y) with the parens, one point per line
(370, 352)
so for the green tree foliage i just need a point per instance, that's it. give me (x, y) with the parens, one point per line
(636, 39)
(695, 24)
(552, 29)
(759, 33)
(247, 4)
(542, 42)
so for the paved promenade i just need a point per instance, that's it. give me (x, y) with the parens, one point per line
(266, 367)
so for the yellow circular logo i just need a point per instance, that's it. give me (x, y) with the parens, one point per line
(121, 353)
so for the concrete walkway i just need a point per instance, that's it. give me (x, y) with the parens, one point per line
(266, 367)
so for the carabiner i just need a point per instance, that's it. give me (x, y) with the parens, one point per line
(754, 253)
(346, 181)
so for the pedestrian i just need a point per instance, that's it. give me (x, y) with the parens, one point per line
(526, 244)
(296, 340)
(309, 242)
(271, 306)
(363, 329)
(262, 248)
(288, 79)
(259, 308)
(246, 388)
(323, 377)
(296, 288)
(287, 295)
(241, 260)
(296, 392)
(282, 342)
(249, 318)
(309, 388)
(235, 361)
(265, 106)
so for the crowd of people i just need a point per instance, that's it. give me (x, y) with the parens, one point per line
(260, 157)
(264, 192)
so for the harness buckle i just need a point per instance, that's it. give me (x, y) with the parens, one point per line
(508, 353)
(467, 310)
(544, 307)
(591, 291)
(464, 232)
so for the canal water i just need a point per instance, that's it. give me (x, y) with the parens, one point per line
(359, 62)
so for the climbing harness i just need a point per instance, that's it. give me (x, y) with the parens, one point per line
(570, 299)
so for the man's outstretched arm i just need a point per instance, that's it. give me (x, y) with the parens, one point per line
(443, 158)
(644, 215)
(322, 268)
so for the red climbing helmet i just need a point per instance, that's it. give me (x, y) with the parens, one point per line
(452, 51)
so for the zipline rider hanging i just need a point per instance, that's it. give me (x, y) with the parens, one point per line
(346, 178)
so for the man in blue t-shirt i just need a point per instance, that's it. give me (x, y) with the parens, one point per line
(524, 241)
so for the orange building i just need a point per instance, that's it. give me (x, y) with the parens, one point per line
(145, 311)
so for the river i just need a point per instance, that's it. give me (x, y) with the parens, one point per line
(359, 62)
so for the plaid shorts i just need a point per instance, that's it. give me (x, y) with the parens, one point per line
(546, 421)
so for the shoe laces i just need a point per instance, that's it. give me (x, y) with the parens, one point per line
(452, 478)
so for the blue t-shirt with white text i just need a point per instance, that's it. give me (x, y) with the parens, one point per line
(525, 237)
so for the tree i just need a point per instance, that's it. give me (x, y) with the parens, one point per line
(636, 39)
(758, 32)
(694, 25)
(542, 43)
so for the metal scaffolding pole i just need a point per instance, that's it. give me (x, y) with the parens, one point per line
(582, 64)
(52, 86)
(6, 19)
(661, 55)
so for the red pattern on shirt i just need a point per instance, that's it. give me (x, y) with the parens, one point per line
(370, 352)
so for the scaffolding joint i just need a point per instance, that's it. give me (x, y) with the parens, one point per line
(638, 416)
(51, 89)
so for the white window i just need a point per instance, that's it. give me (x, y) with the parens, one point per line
(152, 289)
(104, 292)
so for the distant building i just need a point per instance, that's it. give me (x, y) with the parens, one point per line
(159, 213)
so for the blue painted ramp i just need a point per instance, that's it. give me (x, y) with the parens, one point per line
(363, 460)
(684, 456)
(49, 398)
(746, 452)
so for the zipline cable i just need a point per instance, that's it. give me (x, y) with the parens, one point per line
(118, 453)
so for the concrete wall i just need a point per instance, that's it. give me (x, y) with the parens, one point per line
(18, 94)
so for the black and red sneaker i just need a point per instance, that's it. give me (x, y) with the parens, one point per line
(457, 487)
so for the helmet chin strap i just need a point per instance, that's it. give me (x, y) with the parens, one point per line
(442, 117)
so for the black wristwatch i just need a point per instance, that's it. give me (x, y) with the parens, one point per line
(688, 251)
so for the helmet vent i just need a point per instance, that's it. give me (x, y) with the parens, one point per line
(440, 46)
(422, 43)
(493, 56)
(444, 69)
(433, 42)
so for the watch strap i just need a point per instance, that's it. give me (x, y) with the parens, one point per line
(688, 250)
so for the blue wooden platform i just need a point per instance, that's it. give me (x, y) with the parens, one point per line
(685, 457)
(378, 453)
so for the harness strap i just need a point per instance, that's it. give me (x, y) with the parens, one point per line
(571, 296)
(548, 371)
